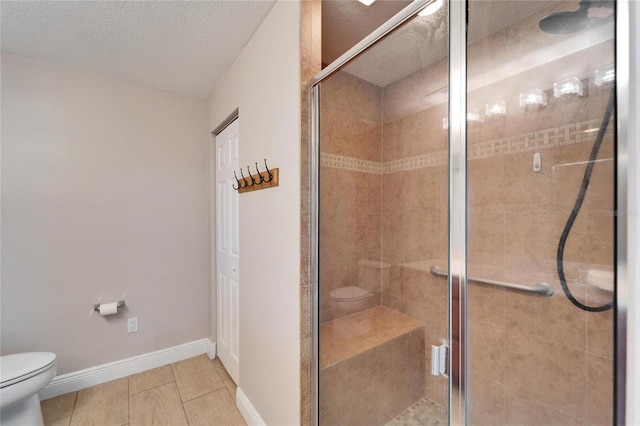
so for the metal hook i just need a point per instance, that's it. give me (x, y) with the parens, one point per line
(259, 175)
(239, 184)
(268, 171)
(253, 181)
(246, 184)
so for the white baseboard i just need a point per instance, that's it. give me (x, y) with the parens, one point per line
(247, 410)
(88, 377)
(211, 349)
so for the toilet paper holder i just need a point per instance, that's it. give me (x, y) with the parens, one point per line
(96, 307)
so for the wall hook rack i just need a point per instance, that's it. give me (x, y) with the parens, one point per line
(260, 180)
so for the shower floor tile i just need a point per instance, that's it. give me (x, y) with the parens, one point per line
(423, 413)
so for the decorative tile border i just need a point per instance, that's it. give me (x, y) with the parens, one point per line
(349, 163)
(534, 141)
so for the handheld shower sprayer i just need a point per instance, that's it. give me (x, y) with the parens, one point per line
(568, 23)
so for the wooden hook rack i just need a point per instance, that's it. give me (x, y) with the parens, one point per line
(260, 180)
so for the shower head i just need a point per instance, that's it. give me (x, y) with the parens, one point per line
(571, 22)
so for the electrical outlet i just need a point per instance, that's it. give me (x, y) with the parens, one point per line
(132, 325)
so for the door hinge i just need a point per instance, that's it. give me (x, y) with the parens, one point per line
(440, 359)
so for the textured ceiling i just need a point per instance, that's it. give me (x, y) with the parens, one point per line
(179, 46)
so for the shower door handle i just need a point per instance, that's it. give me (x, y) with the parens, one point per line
(440, 359)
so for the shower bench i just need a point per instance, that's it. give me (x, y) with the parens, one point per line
(372, 366)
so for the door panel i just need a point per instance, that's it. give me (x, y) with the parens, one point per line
(535, 108)
(227, 249)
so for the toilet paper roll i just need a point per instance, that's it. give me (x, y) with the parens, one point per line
(108, 309)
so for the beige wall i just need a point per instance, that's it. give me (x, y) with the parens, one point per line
(264, 83)
(104, 197)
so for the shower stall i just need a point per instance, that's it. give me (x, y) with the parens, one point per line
(463, 218)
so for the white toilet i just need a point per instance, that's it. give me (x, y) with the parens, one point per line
(351, 299)
(373, 275)
(23, 376)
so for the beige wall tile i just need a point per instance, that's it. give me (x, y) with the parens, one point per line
(599, 238)
(522, 410)
(392, 233)
(326, 419)
(560, 321)
(390, 141)
(533, 365)
(486, 304)
(525, 189)
(392, 194)
(486, 350)
(600, 333)
(390, 394)
(360, 371)
(486, 400)
(305, 252)
(435, 386)
(160, 405)
(420, 190)
(530, 234)
(599, 391)
(486, 234)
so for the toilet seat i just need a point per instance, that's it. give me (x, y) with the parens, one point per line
(350, 293)
(18, 367)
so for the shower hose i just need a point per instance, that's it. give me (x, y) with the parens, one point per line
(578, 204)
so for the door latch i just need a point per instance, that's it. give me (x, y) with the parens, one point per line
(440, 359)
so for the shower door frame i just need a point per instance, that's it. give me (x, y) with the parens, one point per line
(457, 238)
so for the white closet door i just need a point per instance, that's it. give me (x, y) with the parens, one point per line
(227, 249)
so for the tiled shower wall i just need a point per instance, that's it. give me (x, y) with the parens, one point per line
(310, 64)
(533, 360)
(350, 127)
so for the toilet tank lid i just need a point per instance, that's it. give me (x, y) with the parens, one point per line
(17, 365)
(349, 293)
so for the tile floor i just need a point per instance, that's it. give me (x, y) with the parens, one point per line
(422, 413)
(196, 391)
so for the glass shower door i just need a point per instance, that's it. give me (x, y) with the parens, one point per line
(382, 155)
(540, 210)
